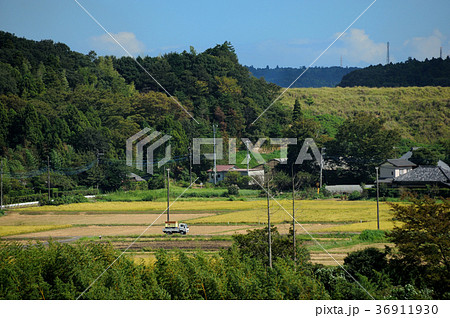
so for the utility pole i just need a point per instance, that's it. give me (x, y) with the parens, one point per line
(168, 194)
(387, 53)
(268, 224)
(48, 176)
(321, 166)
(1, 185)
(98, 163)
(190, 162)
(293, 213)
(215, 168)
(378, 198)
(248, 157)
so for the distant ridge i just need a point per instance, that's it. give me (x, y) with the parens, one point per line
(314, 77)
(434, 72)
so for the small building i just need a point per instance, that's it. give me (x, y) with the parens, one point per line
(272, 163)
(223, 170)
(135, 178)
(394, 168)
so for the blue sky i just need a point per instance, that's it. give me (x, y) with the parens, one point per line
(283, 32)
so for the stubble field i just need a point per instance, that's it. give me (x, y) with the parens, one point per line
(212, 223)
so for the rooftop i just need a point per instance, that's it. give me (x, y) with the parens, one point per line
(425, 174)
(401, 163)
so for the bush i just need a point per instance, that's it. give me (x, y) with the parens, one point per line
(372, 235)
(63, 200)
(233, 190)
(364, 262)
(355, 195)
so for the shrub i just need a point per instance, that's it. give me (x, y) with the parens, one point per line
(233, 190)
(372, 235)
(63, 200)
(364, 262)
(355, 195)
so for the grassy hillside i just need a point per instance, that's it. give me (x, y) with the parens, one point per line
(421, 114)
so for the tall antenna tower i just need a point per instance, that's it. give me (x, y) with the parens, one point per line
(440, 52)
(387, 53)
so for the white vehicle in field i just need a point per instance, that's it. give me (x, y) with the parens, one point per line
(175, 227)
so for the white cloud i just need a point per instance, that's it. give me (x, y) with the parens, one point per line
(357, 47)
(127, 39)
(421, 48)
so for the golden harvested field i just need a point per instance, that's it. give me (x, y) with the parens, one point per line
(307, 211)
(20, 229)
(203, 217)
(148, 206)
(132, 231)
(14, 218)
(385, 225)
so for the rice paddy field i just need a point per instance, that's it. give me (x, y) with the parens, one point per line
(212, 223)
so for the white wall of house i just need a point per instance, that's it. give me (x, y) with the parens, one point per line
(388, 170)
(257, 174)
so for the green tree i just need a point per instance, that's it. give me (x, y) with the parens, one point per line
(425, 156)
(115, 175)
(364, 143)
(297, 112)
(254, 244)
(423, 240)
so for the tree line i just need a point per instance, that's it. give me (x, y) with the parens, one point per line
(412, 72)
(314, 77)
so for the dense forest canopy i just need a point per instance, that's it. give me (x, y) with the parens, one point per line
(434, 72)
(313, 77)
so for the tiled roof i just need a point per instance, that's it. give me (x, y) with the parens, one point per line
(401, 163)
(424, 174)
(221, 168)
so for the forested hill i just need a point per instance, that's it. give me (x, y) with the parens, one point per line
(314, 77)
(68, 106)
(434, 72)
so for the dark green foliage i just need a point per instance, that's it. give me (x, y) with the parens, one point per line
(62, 271)
(372, 235)
(355, 195)
(233, 189)
(423, 241)
(115, 175)
(281, 181)
(366, 261)
(297, 112)
(235, 178)
(432, 72)
(364, 143)
(254, 244)
(63, 200)
(425, 157)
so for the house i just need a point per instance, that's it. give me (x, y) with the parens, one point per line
(272, 163)
(223, 170)
(135, 178)
(424, 176)
(394, 168)
(135, 182)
